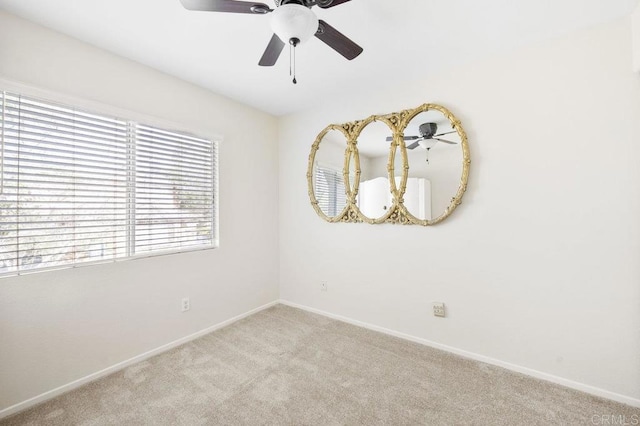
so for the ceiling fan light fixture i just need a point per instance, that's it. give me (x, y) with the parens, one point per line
(427, 143)
(294, 21)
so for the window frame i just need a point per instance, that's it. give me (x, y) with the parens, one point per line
(130, 116)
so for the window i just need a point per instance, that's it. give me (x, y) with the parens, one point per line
(78, 187)
(329, 190)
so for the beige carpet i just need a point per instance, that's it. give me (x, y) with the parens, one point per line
(284, 366)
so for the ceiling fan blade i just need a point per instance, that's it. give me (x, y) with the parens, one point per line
(272, 52)
(406, 138)
(446, 133)
(445, 141)
(413, 145)
(338, 41)
(326, 4)
(230, 6)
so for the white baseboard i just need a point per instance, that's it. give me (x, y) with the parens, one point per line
(634, 402)
(21, 406)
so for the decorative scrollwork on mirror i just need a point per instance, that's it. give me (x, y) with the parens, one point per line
(408, 167)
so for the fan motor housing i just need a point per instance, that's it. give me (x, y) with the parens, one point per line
(427, 130)
(283, 2)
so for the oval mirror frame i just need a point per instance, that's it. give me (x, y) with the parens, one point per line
(352, 158)
(409, 115)
(397, 213)
(345, 173)
(394, 205)
(398, 150)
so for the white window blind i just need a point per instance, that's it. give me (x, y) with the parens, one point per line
(78, 187)
(173, 190)
(330, 190)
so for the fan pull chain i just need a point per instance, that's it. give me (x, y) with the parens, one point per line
(292, 58)
(294, 66)
(290, 72)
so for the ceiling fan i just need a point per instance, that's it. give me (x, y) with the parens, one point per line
(428, 137)
(427, 133)
(292, 22)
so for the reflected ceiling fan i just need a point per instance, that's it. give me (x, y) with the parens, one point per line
(428, 137)
(292, 22)
(427, 132)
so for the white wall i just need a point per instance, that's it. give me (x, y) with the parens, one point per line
(56, 327)
(635, 27)
(539, 265)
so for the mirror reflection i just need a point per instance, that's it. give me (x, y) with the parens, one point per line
(407, 167)
(374, 197)
(327, 176)
(435, 161)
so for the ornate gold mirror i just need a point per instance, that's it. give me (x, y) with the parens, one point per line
(409, 167)
(374, 198)
(327, 186)
(435, 161)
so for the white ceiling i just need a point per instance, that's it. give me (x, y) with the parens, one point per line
(402, 40)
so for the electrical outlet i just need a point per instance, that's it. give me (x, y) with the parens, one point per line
(323, 286)
(438, 309)
(186, 304)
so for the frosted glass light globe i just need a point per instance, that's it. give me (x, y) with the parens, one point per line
(427, 143)
(294, 21)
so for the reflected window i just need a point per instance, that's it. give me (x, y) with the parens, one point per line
(330, 190)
